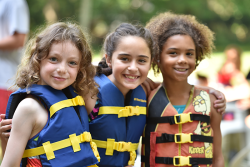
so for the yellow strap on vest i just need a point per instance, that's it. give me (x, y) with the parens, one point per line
(73, 140)
(123, 111)
(77, 101)
(110, 145)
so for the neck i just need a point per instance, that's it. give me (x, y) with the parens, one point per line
(178, 92)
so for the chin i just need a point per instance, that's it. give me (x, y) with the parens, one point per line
(132, 86)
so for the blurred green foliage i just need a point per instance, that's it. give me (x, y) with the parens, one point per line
(229, 19)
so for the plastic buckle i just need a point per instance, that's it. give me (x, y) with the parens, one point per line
(123, 112)
(182, 161)
(184, 138)
(133, 110)
(184, 118)
(123, 146)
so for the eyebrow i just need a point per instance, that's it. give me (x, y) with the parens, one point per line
(178, 49)
(125, 54)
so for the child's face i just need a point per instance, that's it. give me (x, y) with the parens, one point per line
(60, 68)
(130, 63)
(177, 60)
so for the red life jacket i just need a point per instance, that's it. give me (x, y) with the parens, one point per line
(172, 139)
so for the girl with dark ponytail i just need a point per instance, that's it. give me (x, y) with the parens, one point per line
(118, 118)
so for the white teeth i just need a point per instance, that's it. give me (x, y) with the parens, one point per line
(180, 69)
(130, 77)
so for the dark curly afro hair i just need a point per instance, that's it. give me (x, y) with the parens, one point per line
(169, 24)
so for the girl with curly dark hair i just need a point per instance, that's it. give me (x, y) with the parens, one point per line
(183, 127)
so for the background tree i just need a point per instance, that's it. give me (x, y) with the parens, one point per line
(229, 19)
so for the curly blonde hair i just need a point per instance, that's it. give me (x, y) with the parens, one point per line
(38, 49)
(168, 24)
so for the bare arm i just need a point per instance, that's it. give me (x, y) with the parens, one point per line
(23, 123)
(218, 160)
(89, 102)
(15, 41)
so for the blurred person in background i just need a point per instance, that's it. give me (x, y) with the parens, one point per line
(230, 76)
(14, 27)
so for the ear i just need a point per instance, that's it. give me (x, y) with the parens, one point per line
(108, 60)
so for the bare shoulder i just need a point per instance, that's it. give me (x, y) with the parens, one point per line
(28, 106)
(29, 109)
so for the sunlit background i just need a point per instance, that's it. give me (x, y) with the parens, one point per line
(229, 19)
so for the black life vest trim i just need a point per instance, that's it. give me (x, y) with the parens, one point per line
(170, 119)
(165, 138)
(24, 162)
(169, 160)
(15, 101)
(155, 109)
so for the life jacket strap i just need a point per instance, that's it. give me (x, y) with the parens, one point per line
(110, 145)
(179, 138)
(77, 101)
(179, 160)
(179, 119)
(123, 111)
(73, 140)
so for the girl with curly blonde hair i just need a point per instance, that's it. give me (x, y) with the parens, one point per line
(50, 122)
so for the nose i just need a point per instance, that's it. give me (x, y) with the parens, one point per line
(182, 59)
(62, 68)
(133, 66)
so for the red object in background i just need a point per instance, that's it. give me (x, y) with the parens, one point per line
(229, 116)
(4, 97)
(224, 78)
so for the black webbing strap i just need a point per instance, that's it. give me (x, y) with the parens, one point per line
(24, 162)
(170, 119)
(165, 138)
(15, 101)
(170, 160)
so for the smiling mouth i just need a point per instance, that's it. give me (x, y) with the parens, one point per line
(131, 77)
(181, 69)
(59, 78)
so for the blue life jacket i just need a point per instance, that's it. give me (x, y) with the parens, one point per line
(116, 125)
(64, 125)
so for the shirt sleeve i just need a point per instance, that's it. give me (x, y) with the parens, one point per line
(94, 112)
(18, 17)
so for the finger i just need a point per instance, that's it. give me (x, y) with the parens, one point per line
(2, 116)
(220, 108)
(217, 94)
(6, 122)
(5, 128)
(5, 134)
